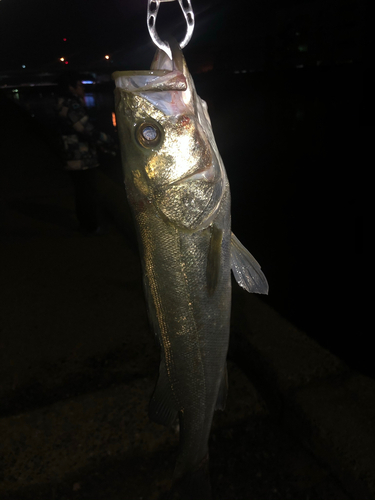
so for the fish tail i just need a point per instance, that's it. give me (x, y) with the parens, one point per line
(195, 426)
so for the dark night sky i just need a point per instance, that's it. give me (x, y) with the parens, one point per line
(32, 32)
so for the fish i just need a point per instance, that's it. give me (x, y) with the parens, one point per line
(179, 194)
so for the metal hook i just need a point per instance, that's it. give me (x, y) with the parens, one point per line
(152, 12)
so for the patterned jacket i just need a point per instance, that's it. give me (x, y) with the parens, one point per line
(78, 135)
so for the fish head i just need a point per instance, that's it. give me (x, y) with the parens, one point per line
(170, 157)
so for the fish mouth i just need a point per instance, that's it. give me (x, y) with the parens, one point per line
(165, 74)
(150, 80)
(167, 85)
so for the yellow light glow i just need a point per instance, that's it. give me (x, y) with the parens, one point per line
(106, 57)
(62, 59)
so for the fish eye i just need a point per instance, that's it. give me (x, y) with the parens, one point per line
(148, 135)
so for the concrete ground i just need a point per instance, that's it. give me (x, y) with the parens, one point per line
(78, 364)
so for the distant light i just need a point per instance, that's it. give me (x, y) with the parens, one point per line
(64, 39)
(62, 59)
(15, 90)
(302, 48)
(114, 123)
(299, 66)
(90, 100)
(87, 82)
(106, 57)
(236, 72)
(66, 62)
(244, 71)
(24, 66)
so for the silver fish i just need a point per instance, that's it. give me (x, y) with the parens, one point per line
(179, 193)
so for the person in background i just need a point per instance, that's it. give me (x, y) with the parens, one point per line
(79, 142)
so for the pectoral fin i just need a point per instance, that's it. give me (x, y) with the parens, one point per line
(246, 269)
(162, 409)
(214, 259)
